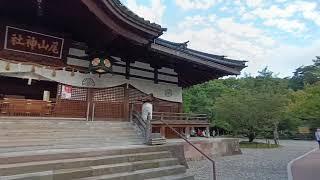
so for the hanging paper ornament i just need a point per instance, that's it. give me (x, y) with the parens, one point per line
(7, 68)
(19, 67)
(33, 69)
(54, 73)
(72, 72)
(29, 81)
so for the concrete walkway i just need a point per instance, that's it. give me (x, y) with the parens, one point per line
(306, 167)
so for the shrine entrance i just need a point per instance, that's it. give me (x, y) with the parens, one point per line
(42, 98)
(50, 99)
(103, 104)
(109, 103)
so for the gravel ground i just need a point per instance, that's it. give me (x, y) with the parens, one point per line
(254, 164)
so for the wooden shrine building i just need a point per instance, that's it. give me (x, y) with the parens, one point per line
(95, 60)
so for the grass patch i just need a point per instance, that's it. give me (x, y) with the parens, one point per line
(257, 145)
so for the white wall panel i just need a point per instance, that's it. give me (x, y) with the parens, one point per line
(104, 81)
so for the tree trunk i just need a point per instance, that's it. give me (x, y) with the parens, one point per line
(251, 136)
(275, 134)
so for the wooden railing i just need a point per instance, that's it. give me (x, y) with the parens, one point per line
(25, 107)
(179, 116)
(40, 108)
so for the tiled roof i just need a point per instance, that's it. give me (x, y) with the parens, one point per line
(220, 59)
(131, 14)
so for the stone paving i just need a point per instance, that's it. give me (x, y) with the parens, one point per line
(254, 164)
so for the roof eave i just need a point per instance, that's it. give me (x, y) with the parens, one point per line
(193, 59)
(129, 17)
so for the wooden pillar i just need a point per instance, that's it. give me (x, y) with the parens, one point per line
(163, 131)
(127, 69)
(180, 107)
(156, 75)
(187, 132)
(89, 103)
(126, 108)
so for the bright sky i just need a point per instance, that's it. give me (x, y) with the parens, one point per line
(280, 34)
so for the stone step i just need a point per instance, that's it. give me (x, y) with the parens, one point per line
(105, 137)
(71, 141)
(39, 166)
(64, 126)
(175, 177)
(56, 128)
(142, 174)
(157, 141)
(9, 137)
(73, 132)
(66, 146)
(56, 154)
(3, 121)
(99, 170)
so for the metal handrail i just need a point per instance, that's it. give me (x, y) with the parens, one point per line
(213, 174)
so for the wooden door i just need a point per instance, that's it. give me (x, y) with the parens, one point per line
(75, 106)
(109, 103)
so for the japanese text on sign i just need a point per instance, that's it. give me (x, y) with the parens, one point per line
(32, 42)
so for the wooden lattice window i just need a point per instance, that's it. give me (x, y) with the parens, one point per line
(115, 94)
(135, 95)
(74, 106)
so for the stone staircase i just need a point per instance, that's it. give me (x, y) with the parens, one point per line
(131, 163)
(63, 150)
(22, 135)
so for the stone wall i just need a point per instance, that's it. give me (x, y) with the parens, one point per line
(212, 146)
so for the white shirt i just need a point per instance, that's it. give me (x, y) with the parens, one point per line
(317, 135)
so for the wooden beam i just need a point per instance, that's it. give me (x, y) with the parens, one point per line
(156, 76)
(126, 102)
(127, 69)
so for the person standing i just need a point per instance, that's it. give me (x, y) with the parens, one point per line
(317, 134)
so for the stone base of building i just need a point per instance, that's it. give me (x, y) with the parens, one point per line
(213, 147)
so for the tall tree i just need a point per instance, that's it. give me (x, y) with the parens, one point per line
(201, 98)
(306, 75)
(256, 108)
(306, 105)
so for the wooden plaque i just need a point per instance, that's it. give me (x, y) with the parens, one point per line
(21, 40)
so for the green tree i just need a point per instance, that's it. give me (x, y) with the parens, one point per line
(306, 75)
(201, 98)
(306, 105)
(238, 110)
(248, 105)
(257, 106)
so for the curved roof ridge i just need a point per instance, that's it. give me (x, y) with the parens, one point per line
(221, 59)
(140, 19)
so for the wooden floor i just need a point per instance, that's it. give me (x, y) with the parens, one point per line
(28, 135)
